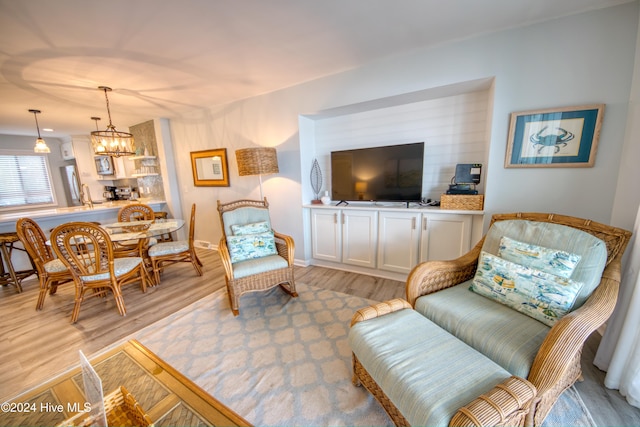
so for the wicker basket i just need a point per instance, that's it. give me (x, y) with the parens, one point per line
(465, 202)
(122, 410)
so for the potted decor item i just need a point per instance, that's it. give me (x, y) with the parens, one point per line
(316, 182)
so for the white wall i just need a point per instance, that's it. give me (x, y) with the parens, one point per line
(577, 60)
(453, 130)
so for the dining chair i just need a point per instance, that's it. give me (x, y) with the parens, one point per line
(176, 251)
(131, 213)
(51, 270)
(88, 252)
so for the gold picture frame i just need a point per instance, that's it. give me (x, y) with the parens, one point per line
(210, 168)
(555, 137)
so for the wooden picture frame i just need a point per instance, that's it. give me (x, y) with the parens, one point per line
(556, 137)
(210, 168)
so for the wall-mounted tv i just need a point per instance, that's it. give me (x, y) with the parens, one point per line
(389, 173)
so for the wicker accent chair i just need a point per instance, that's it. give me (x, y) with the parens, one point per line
(171, 252)
(556, 362)
(52, 272)
(88, 252)
(253, 274)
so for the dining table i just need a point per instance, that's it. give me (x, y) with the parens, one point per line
(143, 229)
(132, 232)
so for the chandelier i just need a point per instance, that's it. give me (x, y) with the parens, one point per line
(41, 146)
(111, 142)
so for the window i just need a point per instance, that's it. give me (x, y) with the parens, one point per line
(25, 182)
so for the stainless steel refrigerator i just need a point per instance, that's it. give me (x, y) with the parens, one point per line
(71, 184)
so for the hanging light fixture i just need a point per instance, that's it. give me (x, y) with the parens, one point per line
(41, 146)
(111, 142)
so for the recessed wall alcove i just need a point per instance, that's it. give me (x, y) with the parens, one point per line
(453, 121)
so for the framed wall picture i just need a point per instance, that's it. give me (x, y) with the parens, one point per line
(558, 137)
(210, 168)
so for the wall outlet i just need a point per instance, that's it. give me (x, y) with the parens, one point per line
(202, 244)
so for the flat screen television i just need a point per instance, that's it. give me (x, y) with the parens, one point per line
(389, 173)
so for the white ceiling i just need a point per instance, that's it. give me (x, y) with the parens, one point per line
(166, 58)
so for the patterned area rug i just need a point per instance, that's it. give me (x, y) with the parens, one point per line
(284, 361)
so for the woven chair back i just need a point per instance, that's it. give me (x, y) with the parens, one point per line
(242, 212)
(135, 212)
(34, 241)
(85, 247)
(615, 239)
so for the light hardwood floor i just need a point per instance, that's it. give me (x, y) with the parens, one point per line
(37, 345)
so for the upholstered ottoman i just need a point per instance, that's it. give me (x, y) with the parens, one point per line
(422, 375)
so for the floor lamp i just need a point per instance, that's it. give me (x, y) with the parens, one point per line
(257, 161)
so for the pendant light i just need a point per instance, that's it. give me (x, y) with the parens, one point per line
(41, 146)
(111, 142)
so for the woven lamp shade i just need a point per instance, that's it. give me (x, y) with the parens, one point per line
(257, 161)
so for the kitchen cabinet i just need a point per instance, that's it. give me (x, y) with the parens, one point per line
(445, 236)
(344, 236)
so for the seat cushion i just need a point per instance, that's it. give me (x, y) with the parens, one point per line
(169, 248)
(426, 372)
(258, 265)
(55, 266)
(592, 251)
(506, 336)
(121, 266)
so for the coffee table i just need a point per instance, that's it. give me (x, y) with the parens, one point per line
(167, 396)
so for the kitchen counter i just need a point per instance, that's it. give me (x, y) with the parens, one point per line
(49, 218)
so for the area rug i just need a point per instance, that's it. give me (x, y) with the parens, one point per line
(284, 361)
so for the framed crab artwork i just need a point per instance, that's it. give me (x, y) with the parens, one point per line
(558, 137)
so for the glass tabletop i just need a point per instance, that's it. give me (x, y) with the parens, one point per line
(120, 231)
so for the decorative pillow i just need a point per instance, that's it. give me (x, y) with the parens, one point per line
(253, 228)
(540, 295)
(554, 261)
(251, 246)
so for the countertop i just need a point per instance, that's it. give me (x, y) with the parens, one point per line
(77, 213)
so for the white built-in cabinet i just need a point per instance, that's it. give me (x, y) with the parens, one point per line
(388, 240)
(399, 244)
(346, 237)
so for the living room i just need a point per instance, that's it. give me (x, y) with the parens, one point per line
(573, 60)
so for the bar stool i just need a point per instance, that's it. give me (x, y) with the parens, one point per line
(12, 277)
(167, 237)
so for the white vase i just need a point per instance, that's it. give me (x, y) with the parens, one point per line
(325, 199)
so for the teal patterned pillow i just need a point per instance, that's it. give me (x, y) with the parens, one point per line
(253, 228)
(540, 295)
(552, 261)
(251, 246)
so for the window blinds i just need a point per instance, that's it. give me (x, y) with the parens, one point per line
(25, 181)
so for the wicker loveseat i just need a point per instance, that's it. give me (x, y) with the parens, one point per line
(479, 342)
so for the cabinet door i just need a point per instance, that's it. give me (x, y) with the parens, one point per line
(444, 236)
(326, 234)
(399, 234)
(359, 237)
